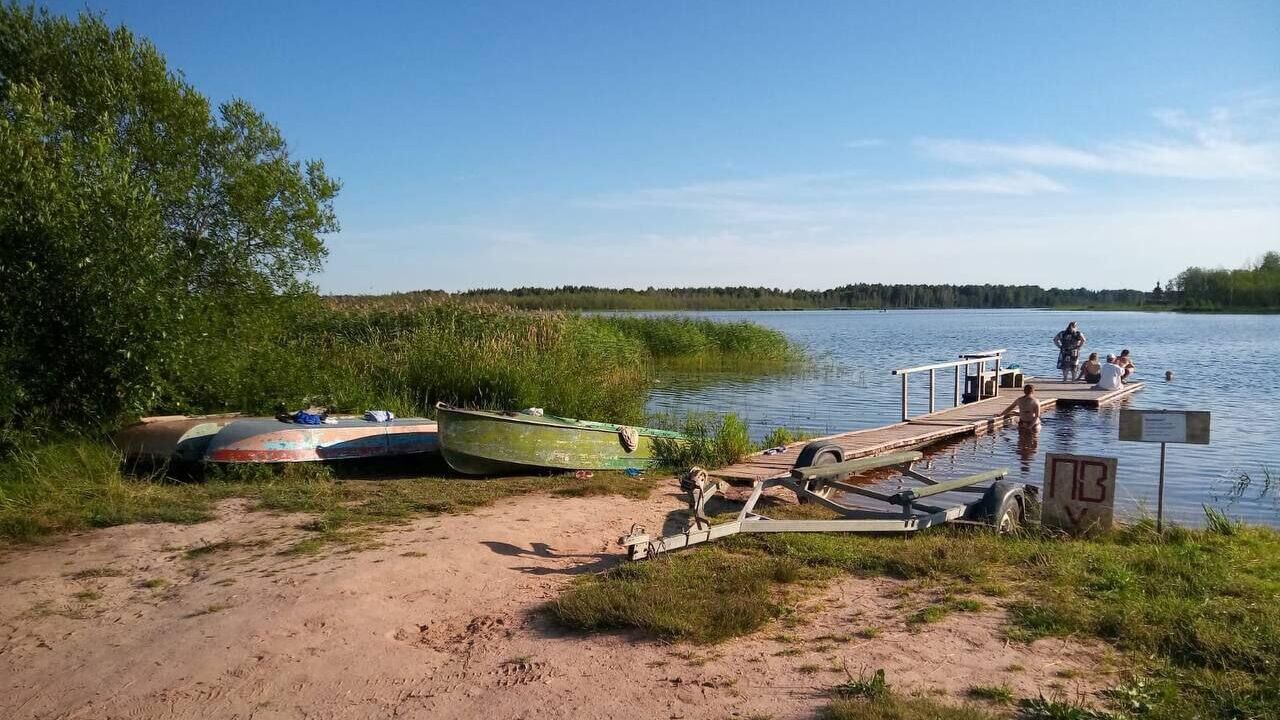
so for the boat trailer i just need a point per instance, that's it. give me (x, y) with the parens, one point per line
(819, 471)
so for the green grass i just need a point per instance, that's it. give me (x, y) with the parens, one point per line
(350, 357)
(683, 342)
(714, 441)
(1042, 708)
(946, 606)
(705, 597)
(78, 484)
(898, 708)
(406, 360)
(1001, 694)
(1195, 611)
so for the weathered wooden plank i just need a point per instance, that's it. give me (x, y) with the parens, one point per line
(971, 419)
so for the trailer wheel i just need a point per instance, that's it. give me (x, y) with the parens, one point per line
(814, 454)
(1009, 517)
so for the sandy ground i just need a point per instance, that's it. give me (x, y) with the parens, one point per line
(440, 621)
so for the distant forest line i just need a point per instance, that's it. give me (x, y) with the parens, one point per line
(1254, 288)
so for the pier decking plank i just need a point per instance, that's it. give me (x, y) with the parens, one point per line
(971, 419)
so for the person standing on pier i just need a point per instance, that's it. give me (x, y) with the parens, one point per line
(1069, 342)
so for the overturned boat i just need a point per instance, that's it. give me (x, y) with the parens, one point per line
(268, 440)
(170, 438)
(478, 442)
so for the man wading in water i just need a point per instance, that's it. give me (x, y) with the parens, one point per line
(1069, 342)
(1027, 408)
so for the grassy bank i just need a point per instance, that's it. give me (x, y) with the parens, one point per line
(78, 484)
(288, 353)
(1194, 611)
(296, 353)
(462, 353)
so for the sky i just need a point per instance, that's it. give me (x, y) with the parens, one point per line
(816, 144)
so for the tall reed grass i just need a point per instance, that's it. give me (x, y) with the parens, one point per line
(493, 356)
(677, 341)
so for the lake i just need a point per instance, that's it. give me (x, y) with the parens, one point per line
(1226, 364)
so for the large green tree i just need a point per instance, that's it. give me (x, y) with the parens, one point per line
(129, 205)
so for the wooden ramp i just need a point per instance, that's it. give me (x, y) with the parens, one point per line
(971, 419)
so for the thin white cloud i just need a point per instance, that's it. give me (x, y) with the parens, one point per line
(967, 152)
(1228, 144)
(1020, 182)
(781, 198)
(862, 143)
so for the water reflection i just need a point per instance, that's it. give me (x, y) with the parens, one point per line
(852, 388)
(1028, 443)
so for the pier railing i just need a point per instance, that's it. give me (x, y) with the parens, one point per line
(979, 360)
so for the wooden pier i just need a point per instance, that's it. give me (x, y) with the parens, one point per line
(974, 418)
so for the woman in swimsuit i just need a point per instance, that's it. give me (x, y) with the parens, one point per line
(1091, 371)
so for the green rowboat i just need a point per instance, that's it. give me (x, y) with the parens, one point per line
(477, 442)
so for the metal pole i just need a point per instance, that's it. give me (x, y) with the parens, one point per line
(931, 378)
(957, 403)
(1160, 494)
(904, 396)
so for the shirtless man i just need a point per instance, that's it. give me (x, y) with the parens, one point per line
(1027, 408)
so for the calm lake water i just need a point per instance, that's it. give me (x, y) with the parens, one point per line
(1226, 364)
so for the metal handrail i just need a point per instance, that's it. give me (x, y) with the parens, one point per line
(967, 359)
(979, 358)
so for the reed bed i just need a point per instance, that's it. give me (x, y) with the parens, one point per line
(406, 359)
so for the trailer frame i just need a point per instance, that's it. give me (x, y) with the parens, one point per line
(999, 503)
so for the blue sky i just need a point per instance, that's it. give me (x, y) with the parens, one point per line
(496, 144)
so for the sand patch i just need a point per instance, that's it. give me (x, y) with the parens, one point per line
(441, 620)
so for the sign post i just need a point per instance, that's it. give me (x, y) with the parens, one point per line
(1164, 427)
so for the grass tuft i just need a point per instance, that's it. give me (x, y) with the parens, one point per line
(1001, 694)
(98, 572)
(712, 441)
(1042, 708)
(875, 687)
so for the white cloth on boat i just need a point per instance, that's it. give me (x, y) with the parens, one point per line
(379, 415)
(532, 411)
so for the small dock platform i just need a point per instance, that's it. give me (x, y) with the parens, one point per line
(975, 418)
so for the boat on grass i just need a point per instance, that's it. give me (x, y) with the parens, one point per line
(268, 440)
(479, 442)
(170, 438)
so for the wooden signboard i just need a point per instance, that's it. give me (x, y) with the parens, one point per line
(1165, 426)
(1079, 492)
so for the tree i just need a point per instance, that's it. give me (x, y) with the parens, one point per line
(128, 206)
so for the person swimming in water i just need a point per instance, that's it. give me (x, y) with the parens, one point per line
(1027, 408)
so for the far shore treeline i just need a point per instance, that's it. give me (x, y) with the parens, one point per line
(1255, 287)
